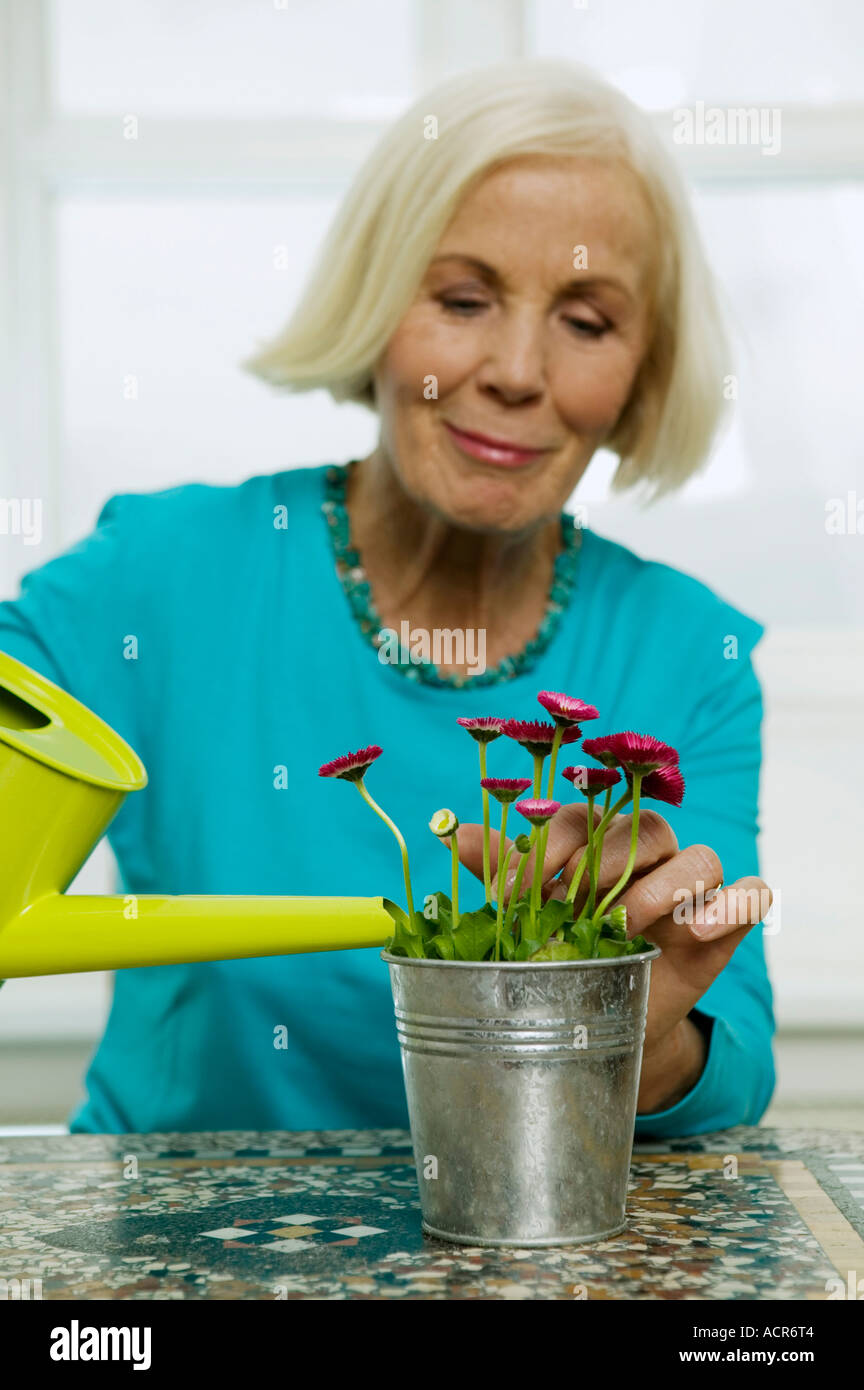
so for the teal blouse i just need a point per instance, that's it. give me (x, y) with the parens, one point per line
(247, 658)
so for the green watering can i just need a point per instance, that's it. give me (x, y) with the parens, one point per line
(64, 774)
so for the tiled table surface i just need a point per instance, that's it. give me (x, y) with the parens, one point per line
(743, 1214)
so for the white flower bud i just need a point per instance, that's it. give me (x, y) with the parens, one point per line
(443, 823)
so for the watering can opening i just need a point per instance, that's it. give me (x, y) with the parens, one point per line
(16, 713)
(42, 721)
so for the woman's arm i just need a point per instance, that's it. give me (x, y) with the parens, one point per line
(83, 618)
(64, 623)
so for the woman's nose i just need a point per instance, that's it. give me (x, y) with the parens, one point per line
(514, 366)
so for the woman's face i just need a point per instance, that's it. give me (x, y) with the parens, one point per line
(509, 343)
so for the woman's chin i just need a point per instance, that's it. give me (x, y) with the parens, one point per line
(493, 507)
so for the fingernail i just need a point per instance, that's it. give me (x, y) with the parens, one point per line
(707, 927)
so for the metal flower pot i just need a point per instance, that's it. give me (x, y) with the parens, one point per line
(522, 1083)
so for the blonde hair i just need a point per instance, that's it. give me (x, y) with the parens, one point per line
(379, 245)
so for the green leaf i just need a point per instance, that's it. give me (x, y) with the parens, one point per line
(637, 944)
(399, 915)
(475, 935)
(608, 949)
(558, 950)
(406, 940)
(442, 922)
(403, 943)
(427, 929)
(442, 946)
(527, 946)
(552, 916)
(585, 937)
(522, 916)
(508, 946)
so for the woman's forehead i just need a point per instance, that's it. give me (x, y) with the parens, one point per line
(530, 216)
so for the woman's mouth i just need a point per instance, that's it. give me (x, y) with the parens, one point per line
(502, 452)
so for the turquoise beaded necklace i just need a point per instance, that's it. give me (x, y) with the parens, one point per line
(357, 589)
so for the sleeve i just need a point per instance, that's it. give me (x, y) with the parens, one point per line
(720, 755)
(75, 618)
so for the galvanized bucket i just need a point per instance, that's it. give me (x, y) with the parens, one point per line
(522, 1083)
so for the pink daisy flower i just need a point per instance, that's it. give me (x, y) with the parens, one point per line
(505, 789)
(352, 767)
(537, 810)
(564, 709)
(483, 729)
(537, 737)
(666, 784)
(591, 780)
(633, 752)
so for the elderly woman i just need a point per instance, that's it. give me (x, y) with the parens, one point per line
(513, 282)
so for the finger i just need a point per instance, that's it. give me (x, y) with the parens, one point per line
(672, 888)
(656, 843)
(742, 904)
(568, 835)
(469, 841)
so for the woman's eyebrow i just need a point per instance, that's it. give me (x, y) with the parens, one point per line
(574, 287)
(488, 272)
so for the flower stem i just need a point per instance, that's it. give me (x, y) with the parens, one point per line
(402, 845)
(514, 896)
(631, 858)
(608, 814)
(577, 877)
(592, 872)
(553, 756)
(536, 835)
(538, 775)
(599, 832)
(502, 874)
(535, 891)
(487, 875)
(544, 833)
(454, 895)
(502, 835)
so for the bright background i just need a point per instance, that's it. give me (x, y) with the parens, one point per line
(168, 171)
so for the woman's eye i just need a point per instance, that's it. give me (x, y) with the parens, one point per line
(588, 327)
(462, 306)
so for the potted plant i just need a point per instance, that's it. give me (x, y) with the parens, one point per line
(521, 1021)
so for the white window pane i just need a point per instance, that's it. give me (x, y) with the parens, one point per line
(226, 58)
(788, 260)
(790, 275)
(672, 52)
(159, 301)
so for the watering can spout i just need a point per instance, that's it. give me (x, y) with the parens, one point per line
(58, 934)
(64, 773)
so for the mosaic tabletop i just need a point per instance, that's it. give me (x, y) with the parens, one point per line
(743, 1214)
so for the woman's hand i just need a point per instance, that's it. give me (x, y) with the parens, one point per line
(695, 948)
